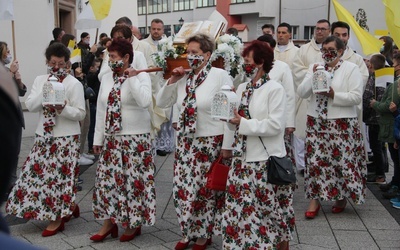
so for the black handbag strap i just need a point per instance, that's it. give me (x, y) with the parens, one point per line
(263, 145)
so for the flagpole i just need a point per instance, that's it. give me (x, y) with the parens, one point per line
(13, 40)
(97, 34)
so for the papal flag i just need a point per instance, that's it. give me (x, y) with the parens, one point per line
(392, 16)
(76, 56)
(71, 46)
(368, 42)
(384, 76)
(6, 10)
(93, 12)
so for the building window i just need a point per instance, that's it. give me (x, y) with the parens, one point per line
(242, 1)
(167, 30)
(183, 5)
(155, 6)
(143, 31)
(295, 32)
(205, 3)
(308, 32)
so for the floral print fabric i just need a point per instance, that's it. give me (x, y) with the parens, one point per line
(335, 161)
(258, 214)
(199, 209)
(113, 113)
(188, 117)
(124, 188)
(46, 189)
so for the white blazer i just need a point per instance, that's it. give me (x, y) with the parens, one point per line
(205, 125)
(67, 123)
(267, 109)
(135, 99)
(347, 83)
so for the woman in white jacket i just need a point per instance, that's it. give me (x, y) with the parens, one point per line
(124, 192)
(258, 215)
(335, 162)
(46, 188)
(200, 140)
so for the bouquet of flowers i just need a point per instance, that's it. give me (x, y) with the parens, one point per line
(166, 49)
(230, 48)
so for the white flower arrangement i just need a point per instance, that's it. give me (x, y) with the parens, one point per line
(229, 48)
(166, 49)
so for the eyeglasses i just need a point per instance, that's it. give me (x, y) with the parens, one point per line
(59, 64)
(321, 29)
(328, 50)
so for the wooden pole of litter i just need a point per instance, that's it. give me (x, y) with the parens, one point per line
(13, 40)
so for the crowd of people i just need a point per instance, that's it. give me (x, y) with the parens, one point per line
(126, 116)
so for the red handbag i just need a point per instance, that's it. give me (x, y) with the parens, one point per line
(217, 176)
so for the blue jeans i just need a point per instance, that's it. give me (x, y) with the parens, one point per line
(92, 125)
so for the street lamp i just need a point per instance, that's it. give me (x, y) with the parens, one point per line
(181, 21)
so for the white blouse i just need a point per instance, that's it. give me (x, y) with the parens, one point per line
(67, 122)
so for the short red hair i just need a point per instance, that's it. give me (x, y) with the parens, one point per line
(262, 54)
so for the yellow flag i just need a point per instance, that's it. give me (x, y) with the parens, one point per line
(392, 17)
(368, 42)
(76, 56)
(383, 76)
(101, 8)
(92, 14)
(71, 45)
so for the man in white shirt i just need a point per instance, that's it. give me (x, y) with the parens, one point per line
(165, 137)
(307, 54)
(156, 33)
(286, 50)
(342, 30)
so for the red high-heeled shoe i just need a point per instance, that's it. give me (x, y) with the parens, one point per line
(60, 228)
(183, 246)
(76, 213)
(113, 231)
(336, 210)
(125, 237)
(202, 247)
(312, 214)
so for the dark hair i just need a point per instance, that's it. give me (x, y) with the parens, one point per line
(84, 34)
(58, 50)
(157, 20)
(262, 54)
(122, 47)
(99, 51)
(104, 41)
(125, 30)
(387, 47)
(287, 26)
(66, 38)
(340, 24)
(207, 44)
(324, 21)
(102, 35)
(96, 60)
(57, 32)
(267, 38)
(377, 61)
(232, 31)
(268, 26)
(3, 47)
(339, 43)
(124, 20)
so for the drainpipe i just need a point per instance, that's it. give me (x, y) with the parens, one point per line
(280, 11)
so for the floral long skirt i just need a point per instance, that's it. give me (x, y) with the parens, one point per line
(199, 209)
(124, 188)
(46, 189)
(335, 161)
(258, 215)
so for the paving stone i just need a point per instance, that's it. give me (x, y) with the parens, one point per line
(167, 236)
(355, 240)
